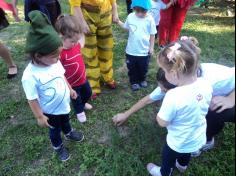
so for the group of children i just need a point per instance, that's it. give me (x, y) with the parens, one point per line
(57, 75)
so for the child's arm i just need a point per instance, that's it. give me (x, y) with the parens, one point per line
(152, 44)
(73, 93)
(121, 118)
(161, 122)
(82, 40)
(41, 118)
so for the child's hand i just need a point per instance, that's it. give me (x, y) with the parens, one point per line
(151, 51)
(73, 94)
(43, 122)
(120, 119)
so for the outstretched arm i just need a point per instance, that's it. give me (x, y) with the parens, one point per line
(121, 118)
(115, 15)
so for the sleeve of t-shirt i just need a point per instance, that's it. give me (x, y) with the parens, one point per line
(30, 87)
(163, 5)
(168, 108)
(75, 3)
(153, 29)
(157, 95)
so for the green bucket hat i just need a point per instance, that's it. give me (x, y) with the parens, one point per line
(42, 37)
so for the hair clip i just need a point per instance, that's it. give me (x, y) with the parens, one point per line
(172, 53)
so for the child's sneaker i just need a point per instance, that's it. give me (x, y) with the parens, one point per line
(144, 84)
(209, 145)
(82, 117)
(181, 169)
(154, 170)
(135, 87)
(88, 106)
(63, 154)
(75, 136)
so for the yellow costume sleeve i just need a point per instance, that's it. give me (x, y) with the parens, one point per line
(75, 3)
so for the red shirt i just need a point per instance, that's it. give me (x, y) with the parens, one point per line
(72, 61)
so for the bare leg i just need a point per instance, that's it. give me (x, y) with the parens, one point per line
(5, 54)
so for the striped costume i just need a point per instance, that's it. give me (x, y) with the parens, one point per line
(99, 43)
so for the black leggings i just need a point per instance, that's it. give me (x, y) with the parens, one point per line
(216, 121)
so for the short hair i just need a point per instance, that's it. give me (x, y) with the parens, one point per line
(161, 78)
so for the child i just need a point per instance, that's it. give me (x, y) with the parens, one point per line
(45, 85)
(184, 108)
(157, 6)
(142, 30)
(157, 95)
(51, 8)
(71, 58)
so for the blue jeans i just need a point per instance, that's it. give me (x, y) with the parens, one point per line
(138, 68)
(84, 93)
(169, 158)
(60, 123)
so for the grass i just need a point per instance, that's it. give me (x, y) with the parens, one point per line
(109, 151)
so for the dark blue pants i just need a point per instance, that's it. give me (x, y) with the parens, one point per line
(216, 121)
(169, 158)
(60, 123)
(138, 68)
(84, 94)
(129, 9)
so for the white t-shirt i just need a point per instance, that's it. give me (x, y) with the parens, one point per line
(185, 108)
(140, 30)
(155, 11)
(49, 87)
(221, 78)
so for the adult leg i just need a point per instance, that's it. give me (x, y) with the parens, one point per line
(54, 10)
(105, 47)
(216, 121)
(90, 51)
(178, 18)
(5, 54)
(165, 25)
(129, 9)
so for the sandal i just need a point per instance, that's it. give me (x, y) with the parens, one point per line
(12, 72)
(154, 170)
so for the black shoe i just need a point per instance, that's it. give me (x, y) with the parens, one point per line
(63, 154)
(135, 87)
(75, 136)
(144, 84)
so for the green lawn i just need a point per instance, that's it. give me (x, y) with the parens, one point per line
(109, 151)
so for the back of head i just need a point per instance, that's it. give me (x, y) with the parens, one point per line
(182, 57)
(161, 78)
(42, 37)
(68, 26)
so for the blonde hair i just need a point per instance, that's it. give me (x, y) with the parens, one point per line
(182, 57)
(68, 26)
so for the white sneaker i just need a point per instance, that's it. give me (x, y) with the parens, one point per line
(209, 145)
(154, 170)
(181, 169)
(88, 106)
(82, 117)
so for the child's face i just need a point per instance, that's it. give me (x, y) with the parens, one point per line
(70, 42)
(48, 59)
(140, 12)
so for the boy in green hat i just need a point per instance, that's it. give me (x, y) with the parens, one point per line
(45, 86)
(142, 29)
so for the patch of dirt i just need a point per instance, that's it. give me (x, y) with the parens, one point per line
(123, 131)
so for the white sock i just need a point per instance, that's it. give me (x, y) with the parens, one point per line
(82, 117)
